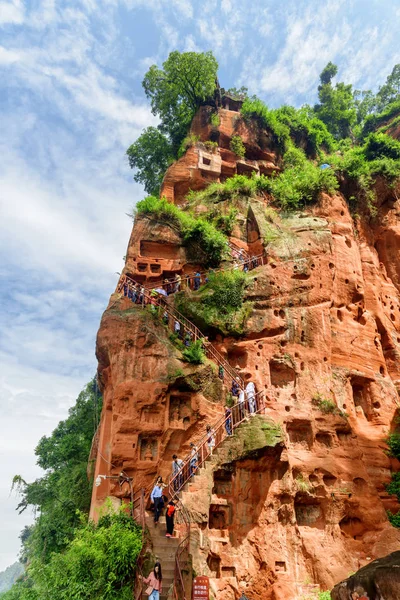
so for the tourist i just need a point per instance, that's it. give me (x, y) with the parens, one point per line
(251, 397)
(188, 339)
(194, 459)
(228, 420)
(178, 281)
(241, 255)
(177, 329)
(141, 295)
(177, 464)
(154, 582)
(210, 439)
(166, 318)
(221, 372)
(126, 288)
(169, 518)
(242, 405)
(197, 281)
(156, 498)
(235, 388)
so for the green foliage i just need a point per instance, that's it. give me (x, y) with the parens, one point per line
(393, 441)
(187, 142)
(227, 289)
(326, 406)
(232, 189)
(337, 107)
(202, 237)
(10, 575)
(150, 155)
(98, 563)
(394, 486)
(219, 304)
(324, 595)
(178, 89)
(224, 222)
(236, 93)
(394, 519)
(214, 119)
(175, 91)
(64, 490)
(211, 146)
(379, 145)
(303, 485)
(194, 354)
(375, 120)
(389, 92)
(255, 109)
(306, 130)
(301, 182)
(237, 146)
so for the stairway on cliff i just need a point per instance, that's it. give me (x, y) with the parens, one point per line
(164, 550)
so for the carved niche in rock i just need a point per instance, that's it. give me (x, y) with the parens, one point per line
(180, 411)
(148, 448)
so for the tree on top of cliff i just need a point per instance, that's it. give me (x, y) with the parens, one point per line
(185, 81)
(337, 106)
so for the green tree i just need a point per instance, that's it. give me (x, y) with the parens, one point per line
(337, 107)
(390, 91)
(177, 90)
(64, 489)
(150, 155)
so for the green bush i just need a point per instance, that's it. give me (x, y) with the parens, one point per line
(224, 222)
(394, 486)
(326, 406)
(194, 354)
(255, 109)
(201, 236)
(300, 184)
(227, 289)
(393, 441)
(372, 122)
(211, 146)
(237, 146)
(394, 518)
(379, 145)
(214, 119)
(187, 142)
(324, 595)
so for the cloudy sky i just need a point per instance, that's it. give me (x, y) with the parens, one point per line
(71, 103)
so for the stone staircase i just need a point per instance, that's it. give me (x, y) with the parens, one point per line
(164, 550)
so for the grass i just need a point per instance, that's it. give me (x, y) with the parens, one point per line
(194, 353)
(327, 406)
(303, 485)
(202, 238)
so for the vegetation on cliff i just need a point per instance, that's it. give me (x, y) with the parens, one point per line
(340, 130)
(64, 555)
(176, 91)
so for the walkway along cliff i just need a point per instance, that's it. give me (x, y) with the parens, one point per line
(296, 498)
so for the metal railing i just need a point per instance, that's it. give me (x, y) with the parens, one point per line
(222, 429)
(192, 281)
(138, 511)
(182, 552)
(170, 316)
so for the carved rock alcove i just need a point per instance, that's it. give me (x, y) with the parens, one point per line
(180, 410)
(148, 448)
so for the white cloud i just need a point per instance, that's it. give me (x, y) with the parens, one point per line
(12, 11)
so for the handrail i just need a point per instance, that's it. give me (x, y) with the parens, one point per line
(183, 516)
(139, 501)
(250, 262)
(210, 351)
(238, 413)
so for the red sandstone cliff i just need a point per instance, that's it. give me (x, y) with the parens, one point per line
(325, 324)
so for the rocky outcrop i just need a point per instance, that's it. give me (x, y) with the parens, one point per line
(380, 580)
(322, 339)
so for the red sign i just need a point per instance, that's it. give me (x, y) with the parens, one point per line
(201, 588)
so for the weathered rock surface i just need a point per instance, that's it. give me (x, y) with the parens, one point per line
(380, 580)
(323, 338)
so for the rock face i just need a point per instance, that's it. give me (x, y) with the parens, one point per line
(380, 580)
(279, 520)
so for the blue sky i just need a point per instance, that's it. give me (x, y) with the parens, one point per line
(71, 103)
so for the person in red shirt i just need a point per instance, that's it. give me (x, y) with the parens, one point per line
(169, 518)
(154, 581)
